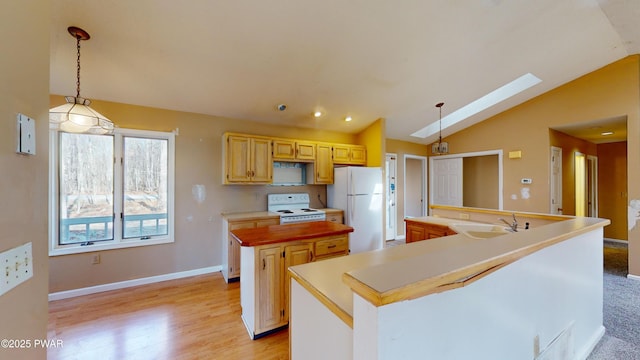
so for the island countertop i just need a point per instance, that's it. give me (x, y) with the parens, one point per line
(406, 272)
(274, 234)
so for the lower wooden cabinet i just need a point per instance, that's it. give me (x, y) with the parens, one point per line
(264, 286)
(418, 230)
(231, 248)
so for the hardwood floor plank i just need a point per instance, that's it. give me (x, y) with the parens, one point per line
(191, 318)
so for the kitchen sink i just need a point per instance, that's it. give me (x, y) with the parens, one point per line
(480, 231)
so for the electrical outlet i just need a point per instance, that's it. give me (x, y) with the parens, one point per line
(17, 267)
(464, 216)
(95, 259)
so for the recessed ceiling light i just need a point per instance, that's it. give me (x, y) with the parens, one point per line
(348, 118)
(607, 133)
(317, 114)
(513, 88)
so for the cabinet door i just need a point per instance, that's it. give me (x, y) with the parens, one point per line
(261, 162)
(358, 155)
(234, 258)
(434, 231)
(234, 248)
(341, 154)
(238, 159)
(305, 150)
(269, 308)
(293, 255)
(414, 232)
(323, 164)
(284, 149)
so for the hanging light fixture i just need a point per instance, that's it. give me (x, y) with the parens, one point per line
(76, 116)
(440, 148)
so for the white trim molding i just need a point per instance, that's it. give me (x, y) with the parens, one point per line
(633, 277)
(130, 283)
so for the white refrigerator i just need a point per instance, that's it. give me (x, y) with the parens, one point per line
(358, 192)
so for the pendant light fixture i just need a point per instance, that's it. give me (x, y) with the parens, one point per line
(440, 148)
(76, 116)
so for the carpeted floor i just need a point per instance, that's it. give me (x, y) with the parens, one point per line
(621, 308)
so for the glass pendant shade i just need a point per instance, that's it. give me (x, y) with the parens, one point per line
(77, 117)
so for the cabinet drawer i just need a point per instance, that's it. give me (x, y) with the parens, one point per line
(332, 246)
(336, 218)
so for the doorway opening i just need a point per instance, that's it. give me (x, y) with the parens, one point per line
(391, 201)
(556, 181)
(580, 176)
(415, 185)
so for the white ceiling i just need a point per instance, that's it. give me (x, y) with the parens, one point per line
(368, 59)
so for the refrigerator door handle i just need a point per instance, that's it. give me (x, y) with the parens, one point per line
(352, 209)
(352, 190)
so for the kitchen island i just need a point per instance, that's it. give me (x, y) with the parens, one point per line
(514, 296)
(265, 255)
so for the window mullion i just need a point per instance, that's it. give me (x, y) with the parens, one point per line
(118, 196)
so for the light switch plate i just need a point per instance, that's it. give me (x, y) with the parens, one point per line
(26, 135)
(16, 266)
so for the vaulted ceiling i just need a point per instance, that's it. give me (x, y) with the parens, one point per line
(365, 59)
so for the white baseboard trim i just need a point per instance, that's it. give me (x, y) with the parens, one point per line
(633, 277)
(130, 283)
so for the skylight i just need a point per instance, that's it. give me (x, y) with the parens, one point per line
(513, 88)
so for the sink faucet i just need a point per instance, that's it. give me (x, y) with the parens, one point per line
(514, 225)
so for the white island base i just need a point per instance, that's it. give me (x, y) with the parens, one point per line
(546, 305)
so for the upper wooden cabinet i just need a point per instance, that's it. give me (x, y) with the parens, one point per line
(349, 154)
(293, 150)
(321, 170)
(247, 159)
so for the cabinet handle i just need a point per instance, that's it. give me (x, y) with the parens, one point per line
(264, 264)
(331, 246)
(310, 256)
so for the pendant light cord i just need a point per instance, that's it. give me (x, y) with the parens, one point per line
(78, 71)
(439, 107)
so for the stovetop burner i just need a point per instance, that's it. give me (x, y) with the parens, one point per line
(293, 208)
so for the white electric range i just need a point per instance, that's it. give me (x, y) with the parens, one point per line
(293, 208)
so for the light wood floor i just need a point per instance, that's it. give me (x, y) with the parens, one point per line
(191, 318)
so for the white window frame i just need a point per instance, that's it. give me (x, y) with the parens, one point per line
(118, 242)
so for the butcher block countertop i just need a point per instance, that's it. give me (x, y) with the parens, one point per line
(274, 234)
(421, 268)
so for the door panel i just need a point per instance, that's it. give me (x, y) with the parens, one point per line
(447, 180)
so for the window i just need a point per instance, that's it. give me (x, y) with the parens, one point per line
(110, 191)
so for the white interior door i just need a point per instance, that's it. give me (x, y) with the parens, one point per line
(391, 211)
(447, 181)
(414, 185)
(556, 180)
